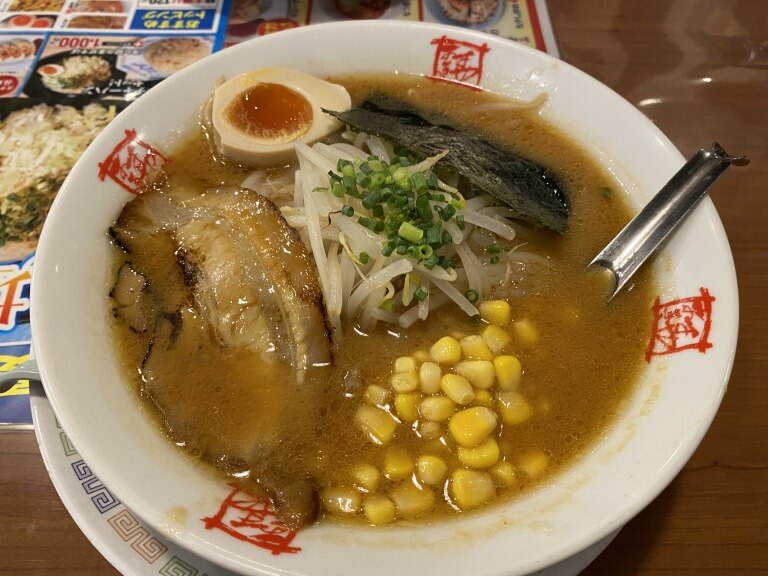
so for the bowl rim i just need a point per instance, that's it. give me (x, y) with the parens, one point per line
(205, 549)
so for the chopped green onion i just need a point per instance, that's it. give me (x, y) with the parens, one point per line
(365, 168)
(447, 213)
(363, 257)
(410, 232)
(372, 199)
(606, 192)
(460, 222)
(348, 170)
(404, 184)
(419, 182)
(400, 150)
(363, 179)
(420, 294)
(338, 189)
(496, 249)
(434, 235)
(472, 296)
(402, 250)
(375, 164)
(422, 206)
(431, 262)
(378, 211)
(347, 210)
(388, 305)
(399, 173)
(424, 251)
(387, 248)
(370, 223)
(377, 180)
(444, 262)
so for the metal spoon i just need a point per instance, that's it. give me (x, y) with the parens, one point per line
(664, 213)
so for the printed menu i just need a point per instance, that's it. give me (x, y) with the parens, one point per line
(67, 67)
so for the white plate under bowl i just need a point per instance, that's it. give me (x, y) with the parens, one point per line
(665, 418)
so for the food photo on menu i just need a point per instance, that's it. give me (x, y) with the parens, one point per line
(67, 68)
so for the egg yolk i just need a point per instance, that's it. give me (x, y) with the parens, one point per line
(270, 112)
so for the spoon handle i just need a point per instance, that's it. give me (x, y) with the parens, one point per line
(663, 214)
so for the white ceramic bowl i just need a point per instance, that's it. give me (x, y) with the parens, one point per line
(664, 422)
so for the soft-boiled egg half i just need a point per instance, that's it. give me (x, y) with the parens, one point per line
(258, 115)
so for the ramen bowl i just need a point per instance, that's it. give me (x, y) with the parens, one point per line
(662, 421)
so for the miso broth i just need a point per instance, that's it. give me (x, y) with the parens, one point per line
(585, 358)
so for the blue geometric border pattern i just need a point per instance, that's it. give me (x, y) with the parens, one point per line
(102, 498)
(125, 524)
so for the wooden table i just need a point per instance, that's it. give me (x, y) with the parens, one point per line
(699, 69)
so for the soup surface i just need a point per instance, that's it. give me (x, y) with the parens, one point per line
(580, 357)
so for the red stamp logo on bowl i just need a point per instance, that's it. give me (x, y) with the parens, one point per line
(458, 60)
(681, 324)
(250, 519)
(130, 161)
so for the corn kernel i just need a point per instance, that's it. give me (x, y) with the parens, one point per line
(379, 510)
(366, 476)
(526, 332)
(484, 398)
(470, 488)
(472, 426)
(446, 351)
(509, 371)
(397, 465)
(457, 388)
(377, 424)
(410, 500)
(429, 430)
(483, 456)
(404, 381)
(431, 469)
(377, 395)
(496, 338)
(407, 406)
(480, 373)
(513, 408)
(405, 364)
(437, 408)
(341, 500)
(497, 312)
(533, 463)
(429, 376)
(421, 356)
(504, 473)
(475, 348)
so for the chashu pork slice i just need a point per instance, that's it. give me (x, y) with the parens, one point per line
(253, 279)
